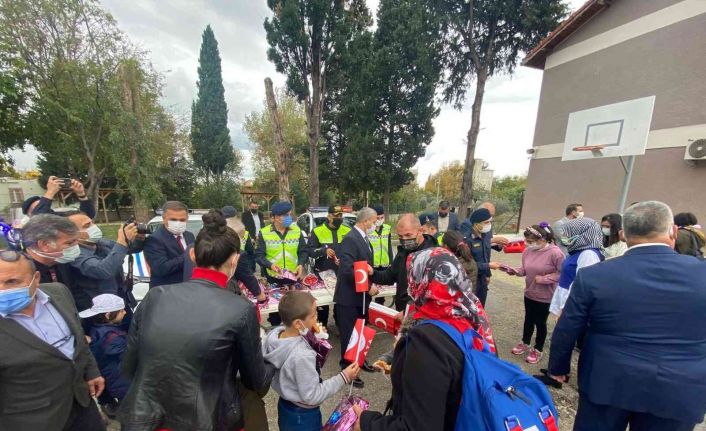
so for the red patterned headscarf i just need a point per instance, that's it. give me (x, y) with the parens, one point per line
(441, 291)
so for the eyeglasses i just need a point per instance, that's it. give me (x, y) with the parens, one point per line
(63, 340)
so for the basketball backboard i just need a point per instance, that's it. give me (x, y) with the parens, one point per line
(615, 130)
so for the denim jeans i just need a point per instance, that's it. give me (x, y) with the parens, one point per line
(295, 418)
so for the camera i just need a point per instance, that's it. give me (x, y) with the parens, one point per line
(142, 228)
(66, 183)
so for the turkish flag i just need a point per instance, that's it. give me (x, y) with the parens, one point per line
(384, 318)
(360, 271)
(358, 346)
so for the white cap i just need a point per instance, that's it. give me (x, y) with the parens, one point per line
(104, 303)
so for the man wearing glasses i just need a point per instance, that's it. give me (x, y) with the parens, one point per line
(47, 372)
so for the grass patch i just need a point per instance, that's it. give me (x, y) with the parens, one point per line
(110, 230)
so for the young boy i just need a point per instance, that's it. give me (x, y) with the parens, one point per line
(108, 344)
(297, 379)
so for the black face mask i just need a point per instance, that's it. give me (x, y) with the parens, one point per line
(253, 210)
(442, 215)
(337, 222)
(409, 244)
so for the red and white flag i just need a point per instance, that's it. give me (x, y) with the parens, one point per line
(358, 346)
(360, 271)
(384, 318)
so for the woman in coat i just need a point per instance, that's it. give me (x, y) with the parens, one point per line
(427, 367)
(188, 342)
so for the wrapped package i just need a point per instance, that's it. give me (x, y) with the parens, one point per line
(343, 417)
(329, 278)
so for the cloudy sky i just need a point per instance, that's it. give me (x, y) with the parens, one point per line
(171, 32)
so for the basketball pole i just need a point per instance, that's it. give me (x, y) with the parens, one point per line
(626, 184)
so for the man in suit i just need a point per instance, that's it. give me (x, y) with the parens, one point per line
(643, 362)
(51, 242)
(445, 219)
(165, 249)
(253, 219)
(349, 305)
(47, 372)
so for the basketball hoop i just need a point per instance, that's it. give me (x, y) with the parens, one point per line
(597, 150)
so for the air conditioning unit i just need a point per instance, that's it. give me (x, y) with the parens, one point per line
(696, 150)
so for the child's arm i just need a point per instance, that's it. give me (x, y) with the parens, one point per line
(311, 391)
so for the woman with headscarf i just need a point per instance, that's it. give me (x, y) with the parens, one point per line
(427, 368)
(583, 239)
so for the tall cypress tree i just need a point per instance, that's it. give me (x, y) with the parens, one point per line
(210, 137)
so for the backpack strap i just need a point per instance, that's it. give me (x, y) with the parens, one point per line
(463, 340)
(548, 419)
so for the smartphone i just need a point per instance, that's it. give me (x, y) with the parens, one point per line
(66, 183)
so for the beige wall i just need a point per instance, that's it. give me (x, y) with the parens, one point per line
(668, 63)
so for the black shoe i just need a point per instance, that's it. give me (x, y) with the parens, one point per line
(367, 367)
(548, 381)
(358, 383)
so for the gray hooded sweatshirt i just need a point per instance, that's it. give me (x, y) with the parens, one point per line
(296, 379)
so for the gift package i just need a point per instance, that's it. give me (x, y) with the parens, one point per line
(343, 417)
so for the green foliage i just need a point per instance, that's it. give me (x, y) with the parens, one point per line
(510, 189)
(217, 194)
(447, 181)
(210, 137)
(13, 100)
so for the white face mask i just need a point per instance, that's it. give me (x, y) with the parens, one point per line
(487, 228)
(176, 227)
(69, 254)
(371, 230)
(94, 233)
(606, 231)
(535, 246)
(24, 220)
(379, 222)
(579, 214)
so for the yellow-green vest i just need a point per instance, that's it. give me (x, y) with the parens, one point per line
(379, 242)
(325, 234)
(439, 239)
(281, 252)
(244, 241)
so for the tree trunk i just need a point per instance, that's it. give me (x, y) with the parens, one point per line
(314, 130)
(282, 150)
(467, 184)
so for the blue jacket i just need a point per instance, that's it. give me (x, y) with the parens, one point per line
(481, 249)
(645, 345)
(108, 344)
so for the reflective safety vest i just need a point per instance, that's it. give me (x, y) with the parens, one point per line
(244, 241)
(380, 242)
(281, 252)
(439, 238)
(325, 234)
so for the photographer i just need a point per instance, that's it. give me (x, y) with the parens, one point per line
(42, 205)
(99, 267)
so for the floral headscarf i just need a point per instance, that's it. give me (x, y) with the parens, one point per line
(441, 291)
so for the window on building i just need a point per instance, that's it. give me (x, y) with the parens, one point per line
(17, 196)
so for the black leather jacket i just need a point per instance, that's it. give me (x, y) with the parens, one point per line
(186, 345)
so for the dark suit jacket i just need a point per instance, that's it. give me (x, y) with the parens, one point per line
(453, 221)
(249, 222)
(165, 257)
(645, 345)
(85, 206)
(38, 384)
(353, 248)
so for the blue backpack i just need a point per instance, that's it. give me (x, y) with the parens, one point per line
(498, 395)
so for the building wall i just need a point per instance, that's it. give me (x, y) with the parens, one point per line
(669, 63)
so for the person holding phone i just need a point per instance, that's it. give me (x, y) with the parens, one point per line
(541, 267)
(42, 205)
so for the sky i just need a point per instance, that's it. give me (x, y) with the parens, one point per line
(171, 33)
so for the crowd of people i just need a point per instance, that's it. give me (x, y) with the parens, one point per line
(628, 292)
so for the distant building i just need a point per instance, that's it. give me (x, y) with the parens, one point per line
(609, 52)
(13, 193)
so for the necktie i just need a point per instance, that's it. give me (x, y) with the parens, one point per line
(180, 240)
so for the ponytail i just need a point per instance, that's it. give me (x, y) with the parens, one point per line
(455, 243)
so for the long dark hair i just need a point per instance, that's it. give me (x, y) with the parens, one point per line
(216, 242)
(454, 242)
(616, 224)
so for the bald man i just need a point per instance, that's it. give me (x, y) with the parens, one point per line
(412, 238)
(495, 241)
(48, 374)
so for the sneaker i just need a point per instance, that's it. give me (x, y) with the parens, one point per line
(534, 356)
(358, 383)
(520, 349)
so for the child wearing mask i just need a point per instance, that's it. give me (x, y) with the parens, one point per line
(295, 351)
(108, 345)
(541, 266)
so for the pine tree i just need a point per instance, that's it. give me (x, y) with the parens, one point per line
(210, 137)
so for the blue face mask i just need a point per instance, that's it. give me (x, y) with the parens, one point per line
(287, 221)
(15, 300)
